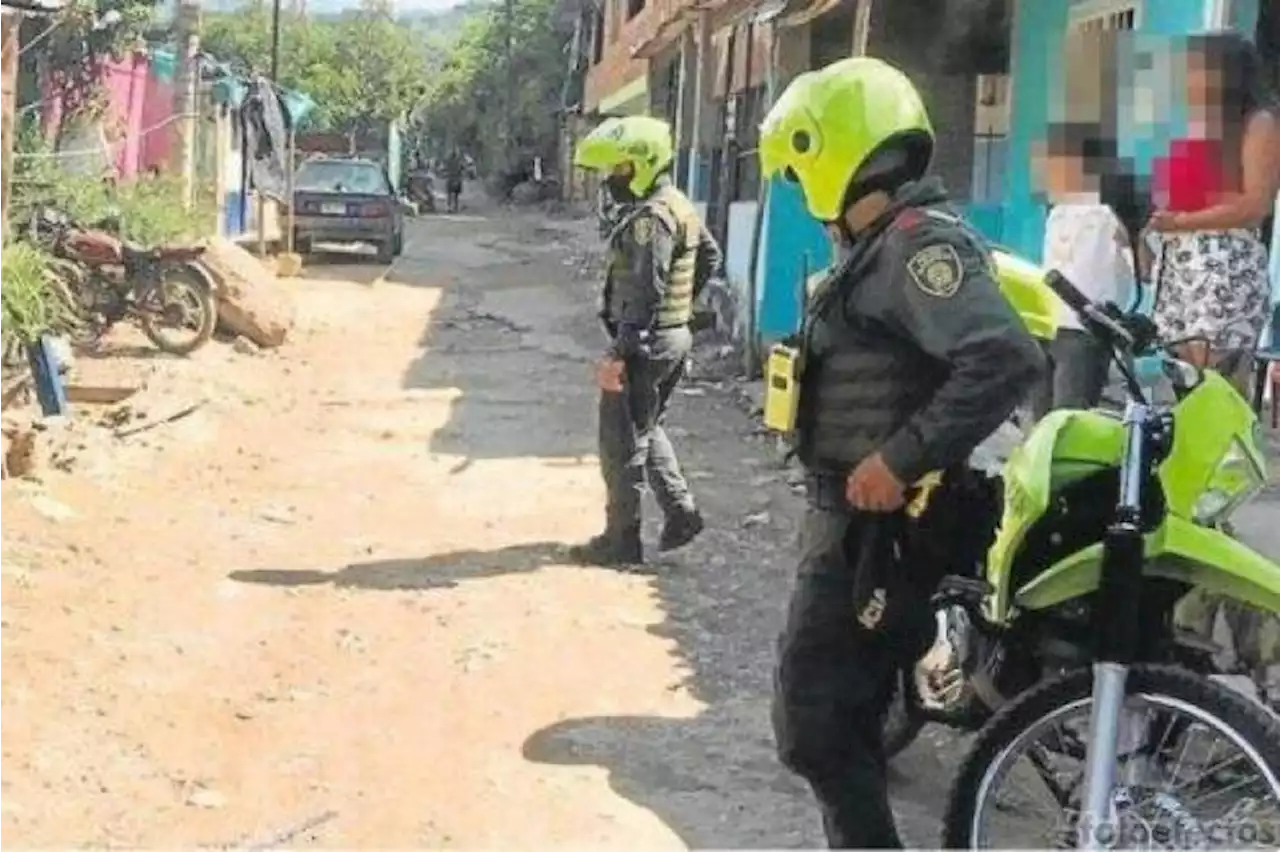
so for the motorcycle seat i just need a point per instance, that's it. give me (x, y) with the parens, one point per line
(135, 252)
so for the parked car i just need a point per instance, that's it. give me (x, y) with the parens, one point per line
(346, 200)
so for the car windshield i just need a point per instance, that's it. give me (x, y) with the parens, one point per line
(340, 176)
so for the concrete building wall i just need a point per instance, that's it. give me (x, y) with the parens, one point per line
(896, 36)
(617, 67)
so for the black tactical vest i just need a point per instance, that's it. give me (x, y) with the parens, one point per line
(861, 382)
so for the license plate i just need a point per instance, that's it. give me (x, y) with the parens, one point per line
(333, 209)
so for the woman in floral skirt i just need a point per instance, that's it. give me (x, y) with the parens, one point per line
(1215, 190)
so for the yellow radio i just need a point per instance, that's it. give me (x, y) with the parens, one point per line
(782, 388)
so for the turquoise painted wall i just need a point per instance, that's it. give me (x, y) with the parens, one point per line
(792, 243)
(1038, 29)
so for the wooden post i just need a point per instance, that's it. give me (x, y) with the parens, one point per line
(703, 115)
(186, 95)
(261, 209)
(220, 141)
(12, 22)
(289, 168)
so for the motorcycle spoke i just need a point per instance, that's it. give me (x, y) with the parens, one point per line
(1178, 778)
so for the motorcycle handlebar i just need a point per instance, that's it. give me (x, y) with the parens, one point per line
(1093, 316)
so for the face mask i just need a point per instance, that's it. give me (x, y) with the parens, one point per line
(840, 243)
(620, 188)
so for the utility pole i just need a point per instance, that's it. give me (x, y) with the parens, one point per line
(510, 104)
(10, 22)
(186, 96)
(275, 40)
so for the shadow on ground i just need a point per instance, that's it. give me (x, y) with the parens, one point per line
(713, 779)
(442, 571)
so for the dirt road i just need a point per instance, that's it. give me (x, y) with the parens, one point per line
(329, 606)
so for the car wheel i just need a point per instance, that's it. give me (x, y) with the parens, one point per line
(387, 251)
(397, 244)
(301, 245)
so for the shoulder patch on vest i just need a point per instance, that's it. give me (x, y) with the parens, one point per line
(937, 270)
(642, 230)
(908, 218)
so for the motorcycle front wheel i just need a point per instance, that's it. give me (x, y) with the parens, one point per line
(1199, 767)
(177, 310)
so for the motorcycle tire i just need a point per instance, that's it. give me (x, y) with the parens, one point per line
(195, 285)
(1249, 720)
(902, 726)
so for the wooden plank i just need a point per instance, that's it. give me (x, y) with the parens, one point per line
(99, 394)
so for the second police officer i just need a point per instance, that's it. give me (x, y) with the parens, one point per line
(660, 256)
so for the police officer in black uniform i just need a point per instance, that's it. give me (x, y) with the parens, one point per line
(660, 255)
(910, 358)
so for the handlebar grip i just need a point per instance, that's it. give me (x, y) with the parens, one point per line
(1094, 316)
(1067, 292)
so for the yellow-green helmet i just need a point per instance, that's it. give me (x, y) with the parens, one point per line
(643, 141)
(830, 123)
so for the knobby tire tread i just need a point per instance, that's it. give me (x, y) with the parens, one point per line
(1258, 726)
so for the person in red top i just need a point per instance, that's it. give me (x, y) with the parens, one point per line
(1213, 192)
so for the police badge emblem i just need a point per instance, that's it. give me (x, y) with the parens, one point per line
(936, 269)
(642, 230)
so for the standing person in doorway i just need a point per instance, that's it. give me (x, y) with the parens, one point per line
(1087, 242)
(453, 169)
(660, 256)
(910, 358)
(1216, 188)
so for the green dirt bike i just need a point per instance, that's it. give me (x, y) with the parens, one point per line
(1098, 526)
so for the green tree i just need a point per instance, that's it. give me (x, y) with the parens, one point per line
(466, 102)
(361, 68)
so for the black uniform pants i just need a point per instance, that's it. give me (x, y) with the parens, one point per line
(634, 448)
(834, 684)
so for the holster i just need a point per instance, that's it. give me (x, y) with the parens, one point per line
(899, 558)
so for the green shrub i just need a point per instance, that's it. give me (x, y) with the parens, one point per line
(30, 302)
(150, 209)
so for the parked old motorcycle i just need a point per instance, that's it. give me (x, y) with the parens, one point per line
(107, 279)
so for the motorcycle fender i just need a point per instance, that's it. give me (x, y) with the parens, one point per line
(1201, 557)
(201, 271)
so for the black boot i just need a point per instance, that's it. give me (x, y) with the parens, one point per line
(610, 549)
(680, 530)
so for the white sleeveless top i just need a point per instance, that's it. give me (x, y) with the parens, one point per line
(1085, 241)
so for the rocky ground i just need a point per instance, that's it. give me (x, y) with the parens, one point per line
(320, 597)
(317, 596)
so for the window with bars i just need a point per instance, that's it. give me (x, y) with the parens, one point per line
(1099, 17)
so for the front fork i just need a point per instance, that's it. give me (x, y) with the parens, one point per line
(1116, 625)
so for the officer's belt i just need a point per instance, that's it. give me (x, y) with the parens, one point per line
(826, 490)
(611, 326)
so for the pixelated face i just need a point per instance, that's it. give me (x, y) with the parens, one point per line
(1204, 82)
(624, 170)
